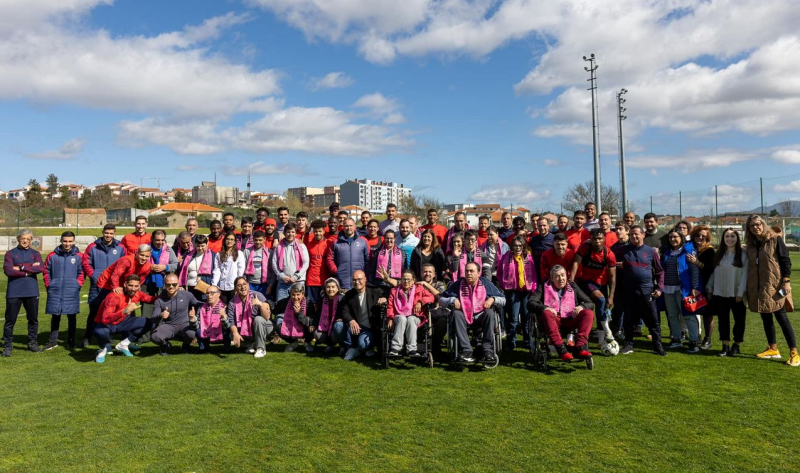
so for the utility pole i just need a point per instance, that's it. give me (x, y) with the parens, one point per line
(623, 181)
(651, 204)
(761, 183)
(595, 129)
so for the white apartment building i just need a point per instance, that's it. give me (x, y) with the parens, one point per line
(373, 195)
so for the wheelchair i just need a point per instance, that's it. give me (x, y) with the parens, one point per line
(424, 339)
(476, 341)
(540, 345)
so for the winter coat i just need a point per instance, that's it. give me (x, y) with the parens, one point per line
(63, 278)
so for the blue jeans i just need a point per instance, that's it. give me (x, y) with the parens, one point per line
(262, 288)
(339, 332)
(364, 340)
(133, 326)
(282, 291)
(313, 295)
(516, 311)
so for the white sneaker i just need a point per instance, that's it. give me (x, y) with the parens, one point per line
(309, 348)
(260, 353)
(352, 354)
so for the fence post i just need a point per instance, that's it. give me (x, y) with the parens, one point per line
(761, 184)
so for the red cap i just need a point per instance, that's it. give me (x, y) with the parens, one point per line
(270, 221)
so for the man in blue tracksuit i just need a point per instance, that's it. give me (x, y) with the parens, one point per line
(98, 256)
(63, 278)
(21, 265)
(349, 253)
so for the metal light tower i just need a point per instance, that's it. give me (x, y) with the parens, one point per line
(623, 181)
(595, 129)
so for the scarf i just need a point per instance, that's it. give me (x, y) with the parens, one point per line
(210, 323)
(298, 256)
(565, 306)
(250, 269)
(396, 269)
(327, 315)
(291, 326)
(472, 300)
(462, 262)
(244, 314)
(404, 305)
(206, 266)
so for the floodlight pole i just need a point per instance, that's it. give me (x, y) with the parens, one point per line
(623, 181)
(595, 129)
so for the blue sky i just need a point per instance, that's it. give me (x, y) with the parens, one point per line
(462, 100)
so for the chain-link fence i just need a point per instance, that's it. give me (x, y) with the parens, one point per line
(721, 206)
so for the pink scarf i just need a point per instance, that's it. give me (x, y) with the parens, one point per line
(566, 305)
(508, 275)
(291, 326)
(244, 314)
(404, 305)
(163, 258)
(210, 323)
(328, 314)
(244, 244)
(472, 300)
(397, 262)
(250, 269)
(298, 256)
(205, 265)
(462, 262)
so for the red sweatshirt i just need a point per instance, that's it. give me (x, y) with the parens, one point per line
(114, 276)
(317, 270)
(550, 259)
(131, 242)
(110, 312)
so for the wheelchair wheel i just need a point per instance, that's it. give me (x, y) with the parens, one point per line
(430, 359)
(590, 363)
(385, 335)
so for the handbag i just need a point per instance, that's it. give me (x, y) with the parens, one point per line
(201, 286)
(693, 304)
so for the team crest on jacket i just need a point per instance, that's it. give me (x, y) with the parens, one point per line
(72, 260)
(114, 251)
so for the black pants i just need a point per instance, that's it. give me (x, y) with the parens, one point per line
(723, 307)
(640, 305)
(617, 312)
(439, 321)
(13, 305)
(226, 296)
(783, 321)
(55, 323)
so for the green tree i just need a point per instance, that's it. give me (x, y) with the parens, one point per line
(182, 197)
(33, 196)
(147, 203)
(66, 198)
(52, 184)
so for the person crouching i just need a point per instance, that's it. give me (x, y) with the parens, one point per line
(295, 324)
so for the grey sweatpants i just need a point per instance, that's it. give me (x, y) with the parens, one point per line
(165, 332)
(262, 331)
(405, 326)
(485, 320)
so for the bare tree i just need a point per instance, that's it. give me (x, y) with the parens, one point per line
(788, 208)
(576, 197)
(419, 204)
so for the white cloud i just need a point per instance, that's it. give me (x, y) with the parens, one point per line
(394, 119)
(320, 130)
(333, 80)
(788, 156)
(792, 187)
(510, 193)
(188, 167)
(376, 103)
(69, 150)
(692, 160)
(552, 162)
(262, 168)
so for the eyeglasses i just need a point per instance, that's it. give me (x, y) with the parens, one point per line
(359, 279)
(171, 284)
(242, 284)
(212, 292)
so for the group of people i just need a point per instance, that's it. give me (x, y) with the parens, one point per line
(331, 282)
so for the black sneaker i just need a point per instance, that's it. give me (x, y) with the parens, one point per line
(627, 349)
(7, 351)
(165, 348)
(186, 347)
(70, 344)
(488, 358)
(413, 354)
(34, 347)
(50, 345)
(658, 349)
(693, 348)
(466, 358)
(706, 344)
(734, 350)
(726, 351)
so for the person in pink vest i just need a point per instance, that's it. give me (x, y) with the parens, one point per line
(199, 264)
(561, 305)
(294, 321)
(212, 320)
(256, 267)
(460, 256)
(405, 312)
(516, 275)
(289, 262)
(249, 318)
(472, 300)
(388, 263)
(460, 225)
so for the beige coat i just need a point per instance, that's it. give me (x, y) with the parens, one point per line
(764, 278)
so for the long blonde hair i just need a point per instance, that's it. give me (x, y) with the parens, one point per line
(750, 237)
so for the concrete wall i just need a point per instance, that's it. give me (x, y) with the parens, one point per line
(48, 243)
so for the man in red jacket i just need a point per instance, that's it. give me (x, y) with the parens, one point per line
(560, 254)
(114, 277)
(132, 241)
(116, 315)
(438, 230)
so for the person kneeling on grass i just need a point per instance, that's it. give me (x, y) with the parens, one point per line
(560, 304)
(294, 324)
(249, 316)
(213, 320)
(173, 311)
(330, 328)
(405, 313)
(117, 315)
(472, 299)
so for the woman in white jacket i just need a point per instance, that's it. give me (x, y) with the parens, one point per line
(726, 288)
(231, 266)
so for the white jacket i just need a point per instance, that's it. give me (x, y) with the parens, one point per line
(230, 270)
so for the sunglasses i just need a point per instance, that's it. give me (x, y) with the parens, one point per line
(173, 284)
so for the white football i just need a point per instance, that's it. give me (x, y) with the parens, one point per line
(610, 348)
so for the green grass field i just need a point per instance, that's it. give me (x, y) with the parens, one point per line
(292, 411)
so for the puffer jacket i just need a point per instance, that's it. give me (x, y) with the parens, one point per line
(96, 259)
(63, 278)
(347, 256)
(764, 278)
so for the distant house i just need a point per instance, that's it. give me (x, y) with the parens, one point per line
(180, 211)
(84, 217)
(125, 215)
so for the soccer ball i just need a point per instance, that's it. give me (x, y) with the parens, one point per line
(610, 349)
